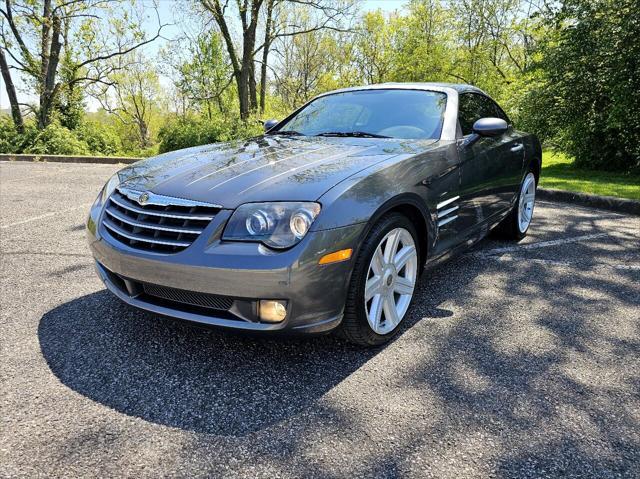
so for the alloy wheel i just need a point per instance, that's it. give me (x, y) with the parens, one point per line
(391, 280)
(527, 202)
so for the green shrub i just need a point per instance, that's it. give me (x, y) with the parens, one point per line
(192, 131)
(91, 138)
(102, 139)
(9, 137)
(54, 140)
(585, 98)
(140, 152)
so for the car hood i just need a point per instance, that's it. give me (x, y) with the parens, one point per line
(267, 168)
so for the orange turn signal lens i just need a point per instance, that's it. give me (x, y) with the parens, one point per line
(336, 256)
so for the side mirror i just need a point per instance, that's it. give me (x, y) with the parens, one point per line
(490, 127)
(270, 124)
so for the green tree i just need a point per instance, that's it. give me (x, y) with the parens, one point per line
(35, 34)
(587, 97)
(277, 22)
(424, 38)
(133, 95)
(303, 66)
(375, 47)
(203, 75)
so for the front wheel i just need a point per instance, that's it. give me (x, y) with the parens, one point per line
(517, 222)
(383, 282)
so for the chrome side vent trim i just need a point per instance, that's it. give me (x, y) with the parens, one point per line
(445, 221)
(445, 209)
(447, 202)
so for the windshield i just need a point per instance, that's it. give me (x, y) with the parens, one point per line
(415, 114)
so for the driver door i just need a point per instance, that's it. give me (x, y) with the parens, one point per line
(490, 166)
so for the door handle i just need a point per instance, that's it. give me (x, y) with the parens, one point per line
(517, 147)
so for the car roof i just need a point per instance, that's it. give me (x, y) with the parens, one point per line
(459, 87)
(437, 86)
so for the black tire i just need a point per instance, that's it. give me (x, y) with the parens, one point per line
(508, 228)
(355, 327)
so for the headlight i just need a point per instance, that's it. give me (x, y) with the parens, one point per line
(278, 225)
(109, 188)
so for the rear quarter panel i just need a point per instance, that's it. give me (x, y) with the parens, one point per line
(533, 152)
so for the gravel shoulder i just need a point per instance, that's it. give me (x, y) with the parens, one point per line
(516, 361)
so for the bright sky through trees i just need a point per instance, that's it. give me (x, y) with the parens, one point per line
(168, 14)
(161, 76)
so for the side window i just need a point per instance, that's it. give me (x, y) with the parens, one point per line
(472, 107)
(470, 110)
(497, 111)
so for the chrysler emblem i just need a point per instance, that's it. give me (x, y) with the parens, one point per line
(143, 198)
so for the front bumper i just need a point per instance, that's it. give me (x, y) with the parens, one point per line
(244, 272)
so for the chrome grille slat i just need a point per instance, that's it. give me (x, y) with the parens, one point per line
(143, 239)
(169, 227)
(151, 226)
(130, 206)
(446, 202)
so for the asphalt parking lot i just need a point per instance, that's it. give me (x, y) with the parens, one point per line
(516, 361)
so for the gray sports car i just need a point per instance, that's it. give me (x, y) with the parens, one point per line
(325, 221)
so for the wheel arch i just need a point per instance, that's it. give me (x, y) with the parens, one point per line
(411, 206)
(535, 163)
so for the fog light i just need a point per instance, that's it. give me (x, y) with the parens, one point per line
(272, 311)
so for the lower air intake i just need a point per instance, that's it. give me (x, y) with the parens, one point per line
(203, 300)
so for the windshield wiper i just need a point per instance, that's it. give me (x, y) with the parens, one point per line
(354, 134)
(286, 133)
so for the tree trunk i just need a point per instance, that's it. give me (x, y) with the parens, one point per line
(253, 94)
(263, 77)
(143, 129)
(49, 89)
(45, 40)
(243, 70)
(243, 93)
(265, 55)
(245, 90)
(16, 114)
(216, 10)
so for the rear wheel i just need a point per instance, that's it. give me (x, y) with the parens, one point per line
(516, 224)
(383, 282)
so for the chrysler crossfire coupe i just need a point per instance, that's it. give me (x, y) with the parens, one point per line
(324, 222)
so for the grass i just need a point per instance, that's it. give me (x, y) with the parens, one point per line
(559, 172)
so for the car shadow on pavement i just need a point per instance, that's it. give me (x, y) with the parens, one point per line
(539, 370)
(187, 377)
(203, 380)
(529, 367)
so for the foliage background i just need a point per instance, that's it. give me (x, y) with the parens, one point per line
(567, 71)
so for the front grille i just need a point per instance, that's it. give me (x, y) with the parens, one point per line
(204, 300)
(164, 228)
